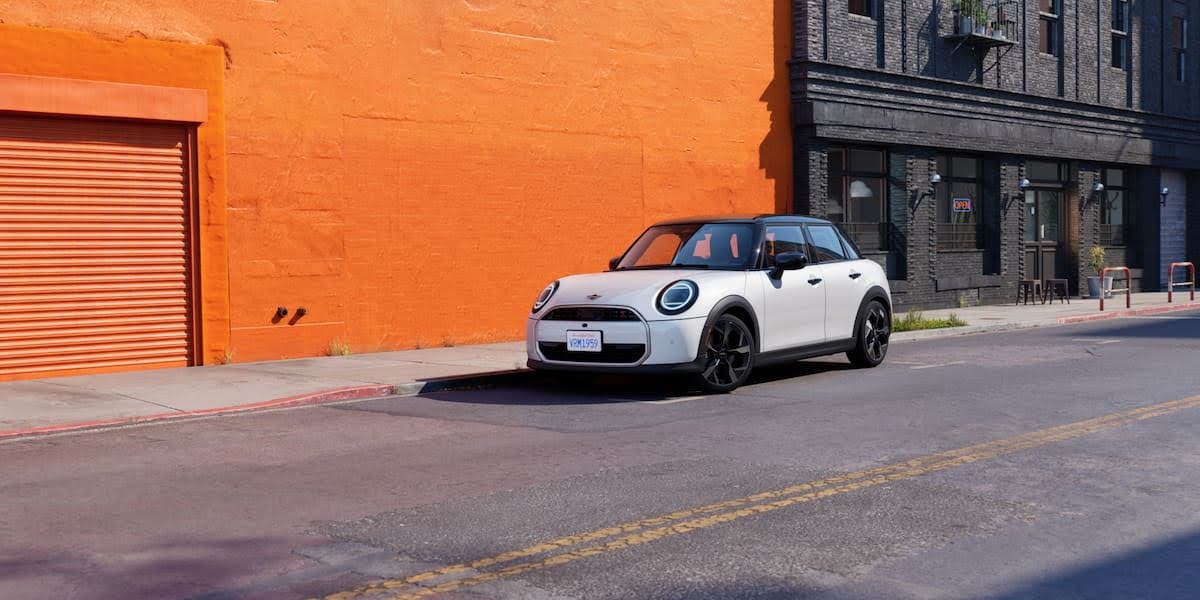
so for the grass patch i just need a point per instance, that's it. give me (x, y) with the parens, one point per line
(339, 348)
(915, 321)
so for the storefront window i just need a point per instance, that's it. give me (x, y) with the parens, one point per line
(858, 195)
(960, 203)
(1114, 214)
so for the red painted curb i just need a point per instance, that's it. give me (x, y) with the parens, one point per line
(1130, 312)
(338, 395)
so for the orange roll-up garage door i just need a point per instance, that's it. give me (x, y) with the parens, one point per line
(94, 247)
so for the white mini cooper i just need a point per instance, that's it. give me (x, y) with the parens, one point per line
(715, 297)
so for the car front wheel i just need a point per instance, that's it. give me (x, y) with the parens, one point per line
(728, 352)
(873, 332)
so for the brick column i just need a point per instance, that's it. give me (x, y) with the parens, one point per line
(1091, 204)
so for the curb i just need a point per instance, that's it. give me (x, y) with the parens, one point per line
(365, 392)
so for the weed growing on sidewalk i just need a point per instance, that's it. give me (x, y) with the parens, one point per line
(339, 348)
(915, 321)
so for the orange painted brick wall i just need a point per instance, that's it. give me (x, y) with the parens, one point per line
(414, 172)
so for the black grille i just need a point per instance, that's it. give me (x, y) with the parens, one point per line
(591, 313)
(609, 353)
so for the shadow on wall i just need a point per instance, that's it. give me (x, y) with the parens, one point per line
(775, 151)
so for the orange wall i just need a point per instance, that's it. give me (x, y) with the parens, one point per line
(414, 172)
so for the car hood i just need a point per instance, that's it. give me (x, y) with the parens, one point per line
(639, 289)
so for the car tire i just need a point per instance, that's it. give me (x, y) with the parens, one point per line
(728, 350)
(874, 332)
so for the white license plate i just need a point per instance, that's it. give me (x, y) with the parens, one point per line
(585, 341)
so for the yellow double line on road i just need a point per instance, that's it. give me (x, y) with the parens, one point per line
(643, 531)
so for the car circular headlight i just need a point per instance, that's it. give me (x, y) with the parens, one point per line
(544, 297)
(677, 297)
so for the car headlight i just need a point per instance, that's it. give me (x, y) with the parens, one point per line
(677, 297)
(544, 297)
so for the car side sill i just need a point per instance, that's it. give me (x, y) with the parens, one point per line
(803, 352)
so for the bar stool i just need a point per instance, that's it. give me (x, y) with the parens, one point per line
(1029, 287)
(1056, 288)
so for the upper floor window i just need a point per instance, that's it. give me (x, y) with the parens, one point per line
(1115, 211)
(959, 202)
(858, 194)
(1049, 31)
(1120, 34)
(1179, 38)
(863, 7)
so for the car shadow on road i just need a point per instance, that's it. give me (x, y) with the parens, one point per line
(548, 389)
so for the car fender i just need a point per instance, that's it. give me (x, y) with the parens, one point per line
(875, 293)
(723, 305)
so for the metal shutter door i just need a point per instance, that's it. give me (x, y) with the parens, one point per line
(94, 247)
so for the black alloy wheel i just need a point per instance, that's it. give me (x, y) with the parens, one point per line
(728, 355)
(873, 336)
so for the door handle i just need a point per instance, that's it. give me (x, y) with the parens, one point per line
(855, 274)
(815, 280)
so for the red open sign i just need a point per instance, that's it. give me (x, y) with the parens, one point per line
(962, 205)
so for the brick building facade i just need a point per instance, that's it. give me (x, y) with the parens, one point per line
(1052, 127)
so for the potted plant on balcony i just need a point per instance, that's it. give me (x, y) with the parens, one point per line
(981, 18)
(964, 16)
(1096, 262)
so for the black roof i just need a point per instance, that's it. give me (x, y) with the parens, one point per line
(746, 218)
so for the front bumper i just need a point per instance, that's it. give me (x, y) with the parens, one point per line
(668, 346)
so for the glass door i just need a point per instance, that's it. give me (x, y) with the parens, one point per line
(1043, 233)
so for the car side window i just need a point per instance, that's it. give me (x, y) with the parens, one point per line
(780, 239)
(851, 249)
(826, 245)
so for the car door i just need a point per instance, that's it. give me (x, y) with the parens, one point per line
(845, 283)
(794, 300)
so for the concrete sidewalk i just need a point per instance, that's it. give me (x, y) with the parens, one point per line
(73, 403)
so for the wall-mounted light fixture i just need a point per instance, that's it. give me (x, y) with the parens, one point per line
(1025, 184)
(1162, 195)
(280, 312)
(1097, 189)
(919, 195)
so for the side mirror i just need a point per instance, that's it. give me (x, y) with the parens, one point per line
(613, 262)
(789, 261)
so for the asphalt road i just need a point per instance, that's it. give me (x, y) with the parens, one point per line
(1058, 463)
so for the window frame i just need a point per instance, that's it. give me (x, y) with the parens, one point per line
(870, 7)
(1119, 32)
(1052, 46)
(1179, 48)
(945, 195)
(845, 177)
(766, 261)
(1126, 206)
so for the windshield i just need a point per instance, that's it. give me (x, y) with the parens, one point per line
(695, 245)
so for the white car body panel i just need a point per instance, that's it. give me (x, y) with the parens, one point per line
(794, 308)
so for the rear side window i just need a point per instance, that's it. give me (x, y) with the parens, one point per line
(826, 243)
(851, 249)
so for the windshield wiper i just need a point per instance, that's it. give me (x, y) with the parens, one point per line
(683, 266)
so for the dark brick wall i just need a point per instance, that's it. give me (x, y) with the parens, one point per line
(908, 36)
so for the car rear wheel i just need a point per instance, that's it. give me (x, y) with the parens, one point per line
(874, 330)
(728, 352)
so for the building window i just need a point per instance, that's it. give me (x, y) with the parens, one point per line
(1114, 213)
(959, 203)
(858, 195)
(1120, 34)
(1049, 38)
(863, 8)
(1179, 37)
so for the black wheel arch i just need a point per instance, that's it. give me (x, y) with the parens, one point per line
(875, 293)
(740, 308)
